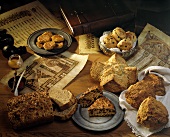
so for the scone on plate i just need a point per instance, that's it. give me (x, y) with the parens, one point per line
(57, 38)
(49, 45)
(102, 107)
(118, 33)
(88, 97)
(45, 37)
(138, 92)
(152, 114)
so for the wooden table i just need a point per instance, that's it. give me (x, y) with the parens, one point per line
(58, 128)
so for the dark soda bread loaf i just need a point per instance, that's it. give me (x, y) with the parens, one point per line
(30, 109)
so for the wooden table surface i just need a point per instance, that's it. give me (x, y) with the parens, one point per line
(57, 128)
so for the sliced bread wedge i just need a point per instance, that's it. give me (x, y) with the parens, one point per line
(63, 98)
(102, 107)
(67, 113)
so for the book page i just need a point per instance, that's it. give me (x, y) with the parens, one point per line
(154, 49)
(24, 20)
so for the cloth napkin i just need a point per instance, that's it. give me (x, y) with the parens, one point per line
(130, 112)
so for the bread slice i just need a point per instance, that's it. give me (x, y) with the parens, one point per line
(29, 110)
(63, 98)
(96, 69)
(65, 114)
(89, 96)
(102, 107)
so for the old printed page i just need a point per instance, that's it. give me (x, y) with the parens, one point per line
(154, 49)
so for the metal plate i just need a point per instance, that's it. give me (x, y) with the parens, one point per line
(33, 38)
(81, 116)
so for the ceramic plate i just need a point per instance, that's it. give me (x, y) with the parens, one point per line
(82, 118)
(33, 38)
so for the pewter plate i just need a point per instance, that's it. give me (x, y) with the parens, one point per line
(33, 38)
(81, 116)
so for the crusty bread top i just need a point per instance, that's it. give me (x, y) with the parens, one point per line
(152, 114)
(63, 98)
(96, 69)
(157, 83)
(116, 59)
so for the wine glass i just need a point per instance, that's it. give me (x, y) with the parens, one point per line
(15, 62)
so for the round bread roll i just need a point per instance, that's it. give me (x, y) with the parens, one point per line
(125, 44)
(110, 41)
(152, 114)
(118, 33)
(138, 92)
(131, 36)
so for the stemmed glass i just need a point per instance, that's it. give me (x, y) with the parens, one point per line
(15, 62)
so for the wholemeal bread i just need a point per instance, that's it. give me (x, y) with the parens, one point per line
(89, 96)
(65, 114)
(63, 98)
(137, 92)
(102, 107)
(30, 109)
(152, 114)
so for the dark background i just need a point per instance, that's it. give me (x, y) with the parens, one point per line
(155, 12)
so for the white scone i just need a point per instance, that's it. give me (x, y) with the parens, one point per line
(118, 33)
(63, 98)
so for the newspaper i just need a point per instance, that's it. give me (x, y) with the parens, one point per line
(45, 73)
(154, 49)
(24, 20)
(88, 44)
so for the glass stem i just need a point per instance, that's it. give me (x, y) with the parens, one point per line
(14, 82)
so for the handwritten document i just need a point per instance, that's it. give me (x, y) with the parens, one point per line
(24, 20)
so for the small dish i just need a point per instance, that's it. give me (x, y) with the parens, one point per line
(111, 51)
(21, 85)
(33, 38)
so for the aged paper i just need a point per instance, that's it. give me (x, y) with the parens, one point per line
(45, 73)
(154, 49)
(88, 44)
(24, 20)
